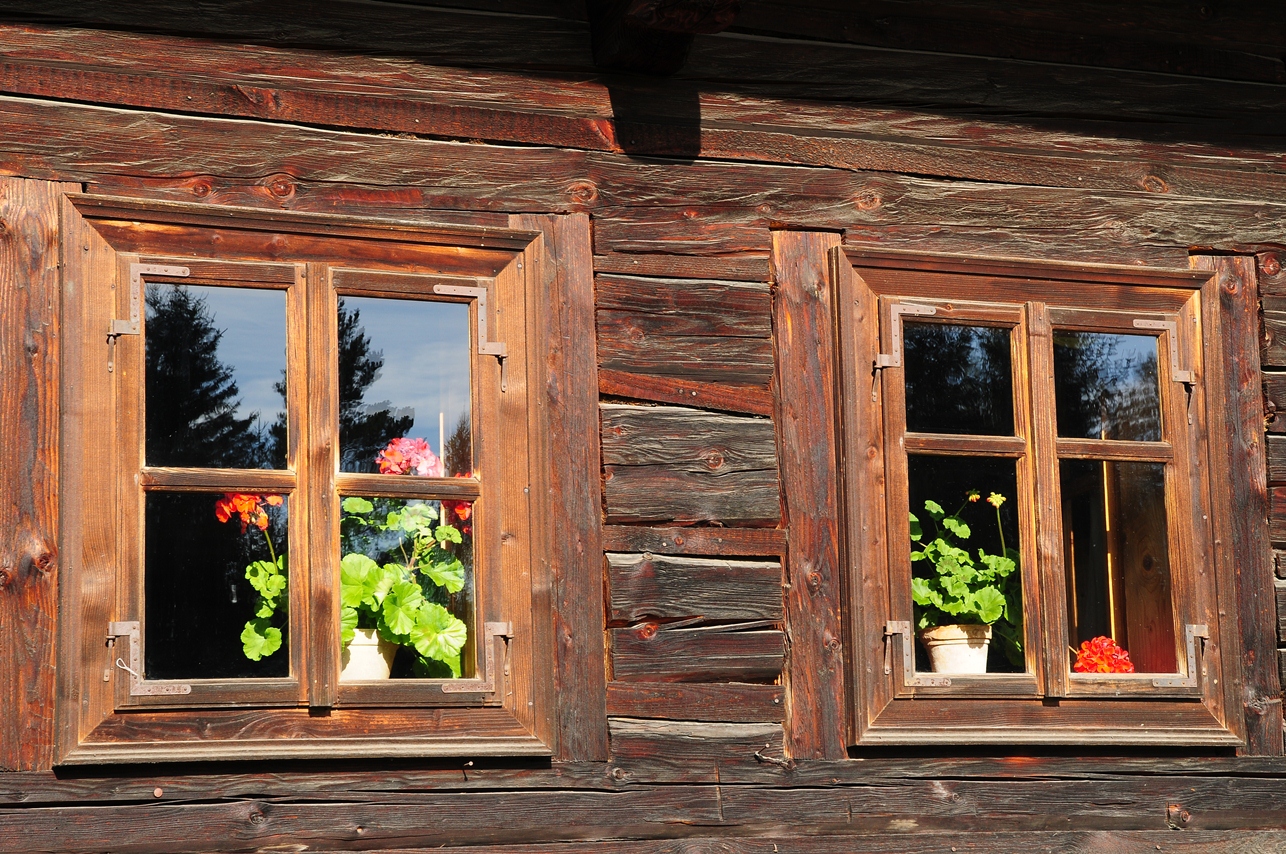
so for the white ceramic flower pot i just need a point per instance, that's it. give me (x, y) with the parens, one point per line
(957, 649)
(368, 657)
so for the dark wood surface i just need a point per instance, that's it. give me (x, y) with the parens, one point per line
(1246, 466)
(728, 703)
(647, 585)
(574, 497)
(695, 541)
(29, 387)
(666, 463)
(803, 314)
(652, 653)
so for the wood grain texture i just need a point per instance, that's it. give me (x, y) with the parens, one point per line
(660, 586)
(727, 744)
(1253, 566)
(574, 493)
(749, 400)
(753, 542)
(650, 653)
(729, 703)
(29, 390)
(667, 463)
(803, 315)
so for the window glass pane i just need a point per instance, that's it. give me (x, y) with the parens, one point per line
(958, 379)
(962, 506)
(1105, 386)
(1117, 560)
(406, 588)
(404, 390)
(216, 377)
(215, 586)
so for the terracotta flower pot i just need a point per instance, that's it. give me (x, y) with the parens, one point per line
(367, 657)
(956, 648)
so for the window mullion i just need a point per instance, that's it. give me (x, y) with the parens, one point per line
(320, 590)
(1048, 510)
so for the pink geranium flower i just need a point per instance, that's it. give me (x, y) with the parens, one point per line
(409, 456)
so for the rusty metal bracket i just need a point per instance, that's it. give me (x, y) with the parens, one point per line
(1193, 677)
(136, 274)
(910, 678)
(896, 310)
(492, 633)
(1176, 373)
(138, 686)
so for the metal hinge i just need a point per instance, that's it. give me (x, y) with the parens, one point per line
(910, 678)
(487, 685)
(1190, 634)
(486, 347)
(138, 686)
(896, 310)
(133, 325)
(1177, 374)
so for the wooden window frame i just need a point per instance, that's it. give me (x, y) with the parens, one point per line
(314, 257)
(1048, 704)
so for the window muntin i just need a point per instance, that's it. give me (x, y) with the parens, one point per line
(882, 294)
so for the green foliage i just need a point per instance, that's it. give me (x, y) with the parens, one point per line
(950, 586)
(261, 637)
(396, 597)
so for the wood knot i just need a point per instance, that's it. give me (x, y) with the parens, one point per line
(713, 460)
(868, 200)
(583, 192)
(257, 817)
(6, 577)
(1270, 264)
(647, 631)
(201, 189)
(4, 228)
(44, 562)
(1154, 184)
(281, 186)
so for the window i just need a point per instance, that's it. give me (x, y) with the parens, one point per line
(298, 467)
(1025, 448)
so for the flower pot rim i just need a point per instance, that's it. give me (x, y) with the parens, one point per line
(957, 631)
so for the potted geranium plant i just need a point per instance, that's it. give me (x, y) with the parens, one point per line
(962, 601)
(397, 575)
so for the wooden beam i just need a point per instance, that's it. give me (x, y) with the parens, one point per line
(652, 36)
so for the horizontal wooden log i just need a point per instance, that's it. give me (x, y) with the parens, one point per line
(667, 463)
(635, 343)
(680, 307)
(648, 653)
(1270, 269)
(646, 586)
(1275, 402)
(726, 743)
(750, 542)
(1280, 591)
(742, 269)
(1276, 448)
(1276, 511)
(688, 702)
(1273, 349)
(752, 400)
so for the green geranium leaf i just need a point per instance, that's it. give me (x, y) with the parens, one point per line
(353, 504)
(935, 510)
(259, 639)
(449, 574)
(989, 604)
(917, 533)
(956, 526)
(921, 592)
(359, 577)
(401, 606)
(447, 534)
(416, 519)
(439, 635)
(347, 625)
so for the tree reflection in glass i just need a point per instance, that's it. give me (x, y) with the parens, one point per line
(958, 379)
(1105, 386)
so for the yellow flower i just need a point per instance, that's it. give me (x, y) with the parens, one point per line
(995, 500)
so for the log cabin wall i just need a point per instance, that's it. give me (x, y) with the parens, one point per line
(717, 721)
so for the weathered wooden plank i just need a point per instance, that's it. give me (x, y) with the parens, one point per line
(567, 299)
(742, 269)
(1273, 343)
(651, 586)
(728, 703)
(1140, 36)
(1279, 591)
(1275, 447)
(634, 343)
(1275, 402)
(804, 314)
(667, 463)
(1276, 504)
(1271, 274)
(29, 389)
(649, 653)
(753, 542)
(639, 206)
(686, 307)
(727, 744)
(751, 400)
(1242, 409)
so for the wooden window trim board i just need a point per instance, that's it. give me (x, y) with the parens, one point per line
(874, 714)
(545, 703)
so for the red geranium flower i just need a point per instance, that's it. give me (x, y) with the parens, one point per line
(407, 456)
(1102, 655)
(460, 510)
(248, 506)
